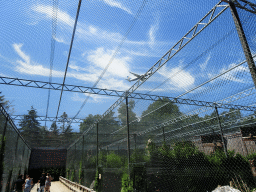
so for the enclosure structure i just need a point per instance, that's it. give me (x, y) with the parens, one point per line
(187, 126)
(15, 152)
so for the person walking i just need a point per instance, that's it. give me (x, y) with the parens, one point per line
(48, 182)
(42, 182)
(28, 183)
(19, 184)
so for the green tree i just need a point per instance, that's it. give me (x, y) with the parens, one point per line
(88, 122)
(54, 128)
(65, 127)
(30, 126)
(5, 103)
(122, 112)
(160, 110)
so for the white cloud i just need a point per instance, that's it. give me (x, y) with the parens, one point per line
(114, 83)
(152, 33)
(93, 33)
(117, 4)
(93, 98)
(114, 79)
(27, 66)
(101, 57)
(204, 64)
(60, 40)
(232, 75)
(47, 10)
(179, 78)
(92, 29)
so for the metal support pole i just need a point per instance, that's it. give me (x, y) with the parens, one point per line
(97, 138)
(163, 134)
(16, 149)
(135, 136)
(128, 134)
(221, 131)
(245, 46)
(23, 153)
(82, 159)
(74, 157)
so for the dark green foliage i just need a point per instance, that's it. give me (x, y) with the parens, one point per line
(98, 181)
(65, 127)
(185, 168)
(72, 177)
(81, 172)
(139, 178)
(67, 173)
(8, 186)
(127, 185)
(159, 111)
(30, 126)
(122, 112)
(88, 121)
(113, 160)
(54, 128)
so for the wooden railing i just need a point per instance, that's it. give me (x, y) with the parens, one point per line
(73, 186)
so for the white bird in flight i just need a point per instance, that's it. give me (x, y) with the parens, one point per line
(138, 77)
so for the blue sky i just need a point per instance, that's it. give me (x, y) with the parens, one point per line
(26, 33)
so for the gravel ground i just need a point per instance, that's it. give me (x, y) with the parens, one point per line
(57, 186)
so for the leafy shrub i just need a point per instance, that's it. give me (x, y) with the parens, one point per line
(139, 177)
(114, 161)
(127, 185)
(81, 172)
(98, 181)
(72, 178)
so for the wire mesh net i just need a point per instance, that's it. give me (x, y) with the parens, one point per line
(191, 126)
(14, 153)
(174, 146)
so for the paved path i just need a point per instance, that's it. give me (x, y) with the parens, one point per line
(57, 186)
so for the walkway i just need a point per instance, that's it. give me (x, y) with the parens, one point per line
(57, 186)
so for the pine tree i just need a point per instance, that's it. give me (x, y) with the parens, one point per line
(65, 126)
(54, 128)
(30, 126)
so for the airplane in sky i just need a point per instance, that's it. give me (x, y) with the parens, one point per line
(138, 77)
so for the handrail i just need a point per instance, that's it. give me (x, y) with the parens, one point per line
(73, 186)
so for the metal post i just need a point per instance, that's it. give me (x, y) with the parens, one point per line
(74, 157)
(16, 148)
(221, 131)
(23, 153)
(128, 134)
(135, 136)
(97, 132)
(163, 134)
(243, 41)
(82, 152)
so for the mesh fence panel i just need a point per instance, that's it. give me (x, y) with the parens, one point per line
(144, 144)
(15, 153)
(183, 147)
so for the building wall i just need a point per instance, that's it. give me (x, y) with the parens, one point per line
(234, 142)
(46, 158)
